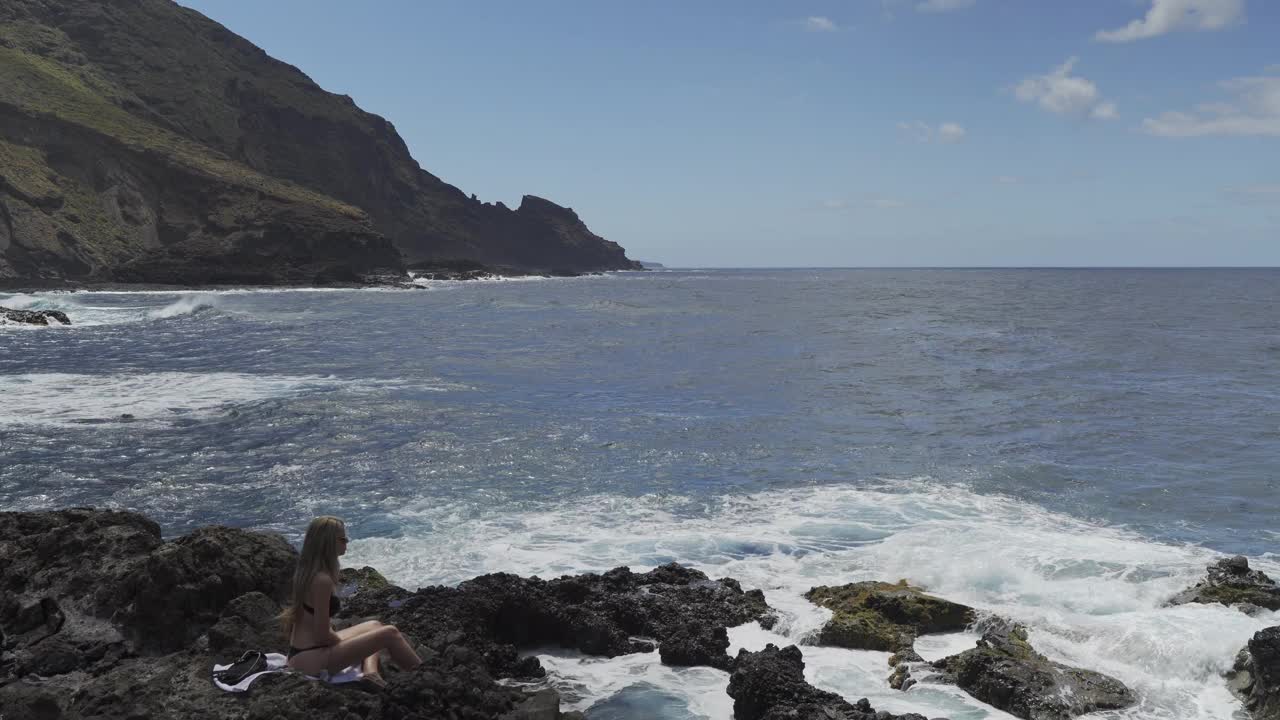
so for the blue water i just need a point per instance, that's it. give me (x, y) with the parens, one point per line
(751, 416)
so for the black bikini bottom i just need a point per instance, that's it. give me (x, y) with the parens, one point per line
(294, 651)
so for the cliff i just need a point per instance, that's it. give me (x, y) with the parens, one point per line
(142, 142)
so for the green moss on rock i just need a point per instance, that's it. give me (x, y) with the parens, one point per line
(885, 616)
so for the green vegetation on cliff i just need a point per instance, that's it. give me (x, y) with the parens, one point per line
(140, 140)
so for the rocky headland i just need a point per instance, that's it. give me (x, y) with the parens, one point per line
(100, 617)
(141, 142)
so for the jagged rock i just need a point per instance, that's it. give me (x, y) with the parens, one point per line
(1006, 672)
(1255, 679)
(770, 685)
(179, 590)
(905, 656)
(32, 317)
(679, 608)
(84, 588)
(364, 579)
(102, 618)
(1231, 582)
(695, 644)
(885, 616)
(250, 621)
(900, 678)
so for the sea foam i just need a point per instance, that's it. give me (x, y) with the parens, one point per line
(1091, 595)
(77, 399)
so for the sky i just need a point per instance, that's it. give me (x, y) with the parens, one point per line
(832, 133)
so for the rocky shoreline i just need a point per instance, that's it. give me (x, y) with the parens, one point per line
(102, 618)
(456, 270)
(460, 271)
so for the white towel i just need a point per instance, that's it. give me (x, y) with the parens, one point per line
(276, 663)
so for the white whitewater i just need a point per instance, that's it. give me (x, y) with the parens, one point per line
(1092, 596)
(66, 398)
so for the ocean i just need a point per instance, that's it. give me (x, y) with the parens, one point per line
(1064, 447)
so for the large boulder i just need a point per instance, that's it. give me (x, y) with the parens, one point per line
(1231, 582)
(84, 588)
(178, 590)
(679, 609)
(1255, 679)
(1006, 672)
(885, 616)
(770, 685)
(250, 622)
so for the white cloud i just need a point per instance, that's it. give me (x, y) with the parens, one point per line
(950, 133)
(937, 6)
(947, 132)
(1062, 93)
(1256, 194)
(1254, 110)
(1169, 15)
(820, 24)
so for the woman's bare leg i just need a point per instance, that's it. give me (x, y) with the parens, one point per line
(358, 648)
(371, 669)
(359, 629)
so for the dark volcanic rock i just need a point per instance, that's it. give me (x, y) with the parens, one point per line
(84, 588)
(770, 685)
(1006, 672)
(1255, 679)
(696, 644)
(885, 616)
(32, 317)
(1231, 582)
(101, 618)
(249, 621)
(679, 608)
(901, 662)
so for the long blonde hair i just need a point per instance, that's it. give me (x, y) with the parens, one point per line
(319, 555)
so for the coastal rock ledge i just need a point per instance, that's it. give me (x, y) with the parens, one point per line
(1230, 582)
(1255, 679)
(770, 685)
(102, 618)
(1006, 672)
(885, 616)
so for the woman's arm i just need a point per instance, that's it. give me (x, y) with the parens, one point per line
(321, 589)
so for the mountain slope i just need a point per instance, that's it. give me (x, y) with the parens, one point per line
(140, 140)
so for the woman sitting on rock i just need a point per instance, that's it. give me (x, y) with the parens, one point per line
(314, 646)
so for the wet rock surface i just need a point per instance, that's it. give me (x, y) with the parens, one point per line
(102, 618)
(679, 609)
(1231, 582)
(885, 616)
(32, 317)
(1255, 679)
(770, 685)
(1005, 671)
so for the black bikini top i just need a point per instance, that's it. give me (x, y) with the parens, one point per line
(335, 606)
